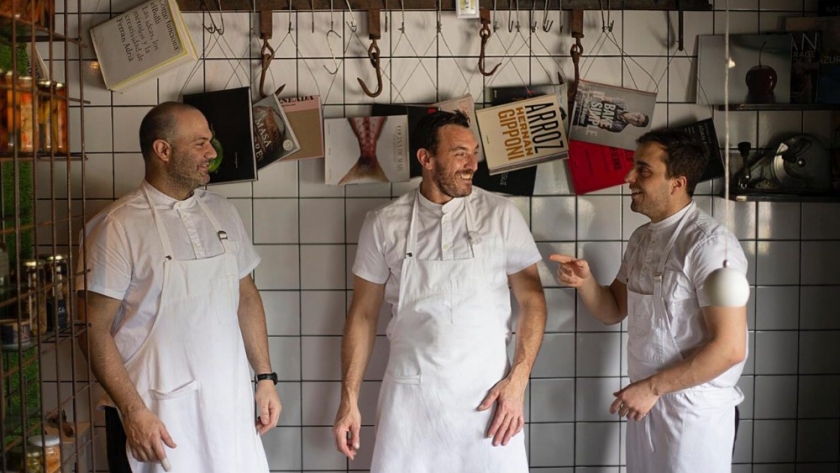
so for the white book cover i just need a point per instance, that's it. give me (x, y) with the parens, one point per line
(362, 150)
(142, 43)
(611, 116)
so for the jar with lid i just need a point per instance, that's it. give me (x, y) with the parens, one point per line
(34, 461)
(59, 118)
(45, 100)
(27, 139)
(50, 448)
(55, 270)
(34, 303)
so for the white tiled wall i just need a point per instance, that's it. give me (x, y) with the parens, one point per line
(306, 232)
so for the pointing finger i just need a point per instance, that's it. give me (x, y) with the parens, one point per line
(563, 259)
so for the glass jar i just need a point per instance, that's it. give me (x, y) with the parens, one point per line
(55, 270)
(45, 100)
(10, 119)
(27, 139)
(59, 118)
(34, 461)
(50, 448)
(34, 304)
(14, 334)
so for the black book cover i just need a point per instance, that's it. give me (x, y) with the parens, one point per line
(519, 182)
(228, 113)
(704, 130)
(415, 113)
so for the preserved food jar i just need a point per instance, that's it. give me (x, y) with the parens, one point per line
(44, 119)
(55, 270)
(27, 138)
(34, 303)
(59, 118)
(50, 449)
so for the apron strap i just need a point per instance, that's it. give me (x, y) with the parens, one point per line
(223, 239)
(660, 268)
(161, 229)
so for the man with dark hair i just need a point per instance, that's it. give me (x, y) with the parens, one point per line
(445, 257)
(175, 320)
(684, 355)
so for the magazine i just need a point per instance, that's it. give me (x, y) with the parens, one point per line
(594, 167)
(760, 71)
(142, 43)
(229, 114)
(828, 82)
(304, 114)
(610, 116)
(274, 138)
(502, 95)
(366, 150)
(522, 133)
(414, 114)
(465, 104)
(805, 68)
(704, 130)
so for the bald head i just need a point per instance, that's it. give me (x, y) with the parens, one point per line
(160, 124)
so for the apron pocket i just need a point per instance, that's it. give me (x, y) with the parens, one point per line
(222, 299)
(175, 393)
(403, 378)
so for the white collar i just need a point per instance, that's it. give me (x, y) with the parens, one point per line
(165, 201)
(673, 219)
(440, 209)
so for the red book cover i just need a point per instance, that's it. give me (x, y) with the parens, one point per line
(594, 167)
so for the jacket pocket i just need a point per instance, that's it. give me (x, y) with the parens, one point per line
(161, 395)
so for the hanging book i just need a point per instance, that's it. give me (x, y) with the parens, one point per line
(304, 114)
(828, 28)
(611, 116)
(523, 133)
(274, 138)
(414, 114)
(595, 167)
(502, 95)
(142, 43)
(229, 114)
(759, 69)
(366, 150)
(704, 131)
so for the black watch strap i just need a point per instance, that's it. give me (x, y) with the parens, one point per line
(264, 376)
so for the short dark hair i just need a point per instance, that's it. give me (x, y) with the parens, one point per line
(647, 120)
(685, 154)
(159, 124)
(425, 134)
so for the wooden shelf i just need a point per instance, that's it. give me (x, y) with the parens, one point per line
(24, 31)
(7, 157)
(760, 107)
(445, 5)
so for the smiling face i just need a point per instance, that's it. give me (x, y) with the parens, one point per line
(653, 193)
(449, 171)
(191, 151)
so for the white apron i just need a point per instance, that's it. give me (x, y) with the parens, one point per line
(688, 431)
(448, 349)
(192, 371)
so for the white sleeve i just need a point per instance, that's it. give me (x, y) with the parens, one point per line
(708, 255)
(520, 249)
(370, 261)
(247, 257)
(108, 259)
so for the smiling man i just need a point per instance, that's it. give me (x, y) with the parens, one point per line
(445, 258)
(175, 320)
(684, 355)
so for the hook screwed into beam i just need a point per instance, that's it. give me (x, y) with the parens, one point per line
(373, 53)
(484, 14)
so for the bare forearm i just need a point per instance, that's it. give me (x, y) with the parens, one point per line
(107, 366)
(356, 348)
(600, 301)
(254, 333)
(706, 364)
(529, 335)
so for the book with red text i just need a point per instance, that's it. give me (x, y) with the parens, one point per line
(595, 167)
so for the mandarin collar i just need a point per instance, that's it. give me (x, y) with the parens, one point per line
(162, 200)
(446, 208)
(673, 219)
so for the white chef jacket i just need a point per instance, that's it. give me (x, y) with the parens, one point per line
(700, 248)
(125, 257)
(441, 235)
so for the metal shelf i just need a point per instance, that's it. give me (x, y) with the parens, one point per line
(448, 5)
(759, 107)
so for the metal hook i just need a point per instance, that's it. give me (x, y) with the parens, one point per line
(510, 13)
(266, 62)
(533, 21)
(517, 15)
(353, 26)
(312, 13)
(290, 17)
(606, 25)
(547, 24)
(386, 15)
(495, 23)
(213, 28)
(402, 24)
(484, 14)
(329, 44)
(373, 53)
(439, 24)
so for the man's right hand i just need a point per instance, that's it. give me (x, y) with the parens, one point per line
(348, 423)
(145, 432)
(571, 271)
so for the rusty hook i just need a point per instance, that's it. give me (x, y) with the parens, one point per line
(373, 54)
(267, 52)
(485, 33)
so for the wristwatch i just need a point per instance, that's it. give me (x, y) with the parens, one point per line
(264, 376)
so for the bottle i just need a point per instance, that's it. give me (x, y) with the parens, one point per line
(27, 138)
(45, 100)
(34, 302)
(55, 270)
(49, 446)
(59, 119)
(34, 461)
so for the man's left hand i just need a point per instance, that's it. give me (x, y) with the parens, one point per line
(268, 406)
(635, 400)
(509, 418)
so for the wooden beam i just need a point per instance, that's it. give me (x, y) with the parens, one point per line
(447, 5)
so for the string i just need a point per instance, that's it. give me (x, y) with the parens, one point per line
(727, 61)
